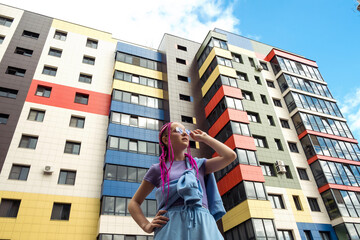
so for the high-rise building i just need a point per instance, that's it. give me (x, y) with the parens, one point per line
(80, 114)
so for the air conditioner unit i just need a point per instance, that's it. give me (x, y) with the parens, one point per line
(48, 170)
(280, 166)
(258, 68)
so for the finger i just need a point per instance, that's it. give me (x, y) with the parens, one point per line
(159, 222)
(162, 218)
(161, 212)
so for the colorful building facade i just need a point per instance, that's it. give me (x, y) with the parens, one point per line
(80, 114)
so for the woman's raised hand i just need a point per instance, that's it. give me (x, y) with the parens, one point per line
(199, 135)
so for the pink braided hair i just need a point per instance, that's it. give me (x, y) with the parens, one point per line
(167, 152)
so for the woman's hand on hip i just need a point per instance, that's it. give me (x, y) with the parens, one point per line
(158, 222)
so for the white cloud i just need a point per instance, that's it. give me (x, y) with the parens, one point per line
(350, 107)
(141, 21)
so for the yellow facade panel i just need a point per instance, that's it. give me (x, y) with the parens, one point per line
(240, 50)
(33, 219)
(245, 210)
(227, 71)
(214, 52)
(197, 145)
(75, 28)
(137, 88)
(145, 72)
(299, 215)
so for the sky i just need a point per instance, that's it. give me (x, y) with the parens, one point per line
(327, 32)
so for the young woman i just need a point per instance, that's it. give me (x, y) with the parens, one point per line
(182, 198)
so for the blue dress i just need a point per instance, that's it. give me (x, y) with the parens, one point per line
(188, 221)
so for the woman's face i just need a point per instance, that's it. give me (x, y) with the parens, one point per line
(179, 141)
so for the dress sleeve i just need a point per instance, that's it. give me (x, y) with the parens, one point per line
(153, 175)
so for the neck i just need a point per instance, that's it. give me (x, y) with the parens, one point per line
(179, 156)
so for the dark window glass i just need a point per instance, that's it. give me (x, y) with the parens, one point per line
(308, 235)
(276, 201)
(257, 80)
(89, 60)
(119, 206)
(92, 43)
(77, 122)
(293, 147)
(4, 118)
(252, 63)
(30, 34)
(277, 102)
(23, 51)
(278, 144)
(303, 174)
(16, 71)
(28, 142)
(237, 58)
(297, 203)
(314, 206)
(72, 147)
(19, 172)
(55, 52)
(85, 78)
(263, 99)
(260, 141)
(253, 117)
(264, 66)
(271, 120)
(61, 211)
(67, 177)
(284, 123)
(270, 84)
(181, 61)
(183, 48)
(9, 207)
(49, 70)
(6, 21)
(185, 97)
(242, 76)
(2, 38)
(60, 35)
(267, 169)
(36, 115)
(248, 95)
(43, 91)
(183, 78)
(82, 98)
(186, 119)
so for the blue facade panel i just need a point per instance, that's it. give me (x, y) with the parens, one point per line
(137, 110)
(139, 51)
(236, 40)
(130, 159)
(315, 228)
(122, 189)
(133, 132)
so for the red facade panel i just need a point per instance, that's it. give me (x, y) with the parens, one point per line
(289, 56)
(238, 174)
(320, 134)
(339, 187)
(64, 97)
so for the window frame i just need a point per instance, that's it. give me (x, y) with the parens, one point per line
(70, 147)
(60, 35)
(62, 215)
(23, 172)
(92, 43)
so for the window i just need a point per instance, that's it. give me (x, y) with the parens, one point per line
(183, 48)
(77, 122)
(278, 144)
(23, 51)
(43, 91)
(248, 95)
(85, 78)
(271, 120)
(264, 66)
(181, 61)
(277, 102)
(4, 118)
(19, 172)
(257, 80)
(9, 207)
(237, 58)
(119, 206)
(276, 201)
(284, 123)
(16, 71)
(49, 70)
(124, 173)
(263, 99)
(185, 97)
(61, 211)
(138, 79)
(285, 234)
(5, 21)
(267, 169)
(314, 206)
(260, 141)
(67, 177)
(293, 147)
(72, 147)
(252, 63)
(308, 235)
(187, 119)
(2, 39)
(183, 78)
(7, 92)
(302, 174)
(28, 142)
(242, 76)
(127, 145)
(82, 98)
(36, 115)
(91, 43)
(30, 34)
(192, 144)
(89, 60)
(60, 35)
(55, 52)
(270, 84)
(253, 117)
(297, 203)
(325, 235)
(135, 121)
(288, 172)
(142, 100)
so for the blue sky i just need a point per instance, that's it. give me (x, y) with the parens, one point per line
(321, 30)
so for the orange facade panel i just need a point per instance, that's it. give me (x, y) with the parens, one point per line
(226, 116)
(222, 91)
(64, 97)
(320, 134)
(240, 173)
(294, 57)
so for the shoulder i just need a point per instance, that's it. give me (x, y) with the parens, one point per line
(155, 167)
(200, 161)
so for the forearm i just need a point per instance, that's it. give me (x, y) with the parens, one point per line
(137, 214)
